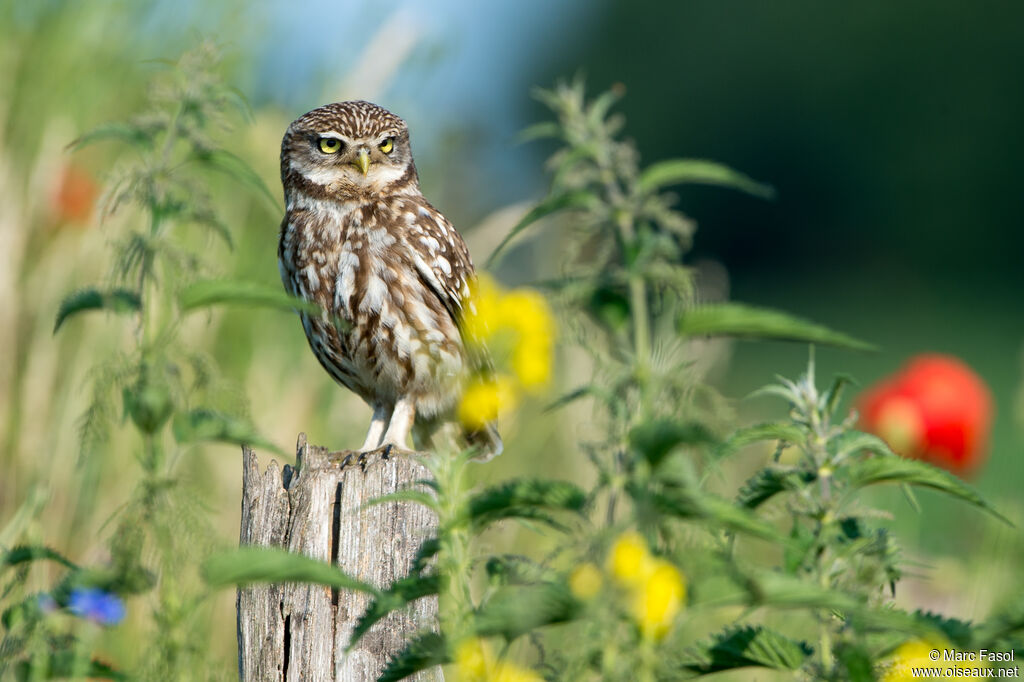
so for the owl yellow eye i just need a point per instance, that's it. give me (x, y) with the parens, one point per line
(330, 145)
(387, 145)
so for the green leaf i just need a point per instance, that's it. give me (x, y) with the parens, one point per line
(426, 650)
(780, 431)
(524, 498)
(236, 167)
(519, 609)
(206, 425)
(851, 442)
(25, 553)
(744, 321)
(960, 633)
(546, 207)
(427, 551)
(656, 439)
(770, 481)
(788, 592)
(248, 565)
(859, 664)
(512, 569)
(414, 496)
(897, 469)
(539, 131)
(397, 596)
(115, 300)
(125, 132)
(235, 292)
(835, 392)
(741, 647)
(700, 171)
(689, 503)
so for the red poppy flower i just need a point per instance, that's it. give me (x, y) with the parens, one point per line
(74, 196)
(936, 409)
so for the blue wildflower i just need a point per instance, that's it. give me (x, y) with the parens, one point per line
(96, 605)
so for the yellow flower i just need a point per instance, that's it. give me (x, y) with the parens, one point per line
(474, 662)
(585, 581)
(472, 659)
(484, 398)
(517, 328)
(629, 561)
(917, 654)
(483, 315)
(655, 587)
(532, 365)
(657, 602)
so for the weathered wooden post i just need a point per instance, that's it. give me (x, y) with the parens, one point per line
(289, 632)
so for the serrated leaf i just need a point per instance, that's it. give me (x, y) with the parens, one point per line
(25, 553)
(960, 633)
(208, 425)
(744, 321)
(897, 469)
(745, 647)
(124, 132)
(427, 551)
(426, 650)
(517, 610)
(515, 570)
(859, 664)
(780, 431)
(655, 439)
(114, 300)
(701, 171)
(396, 596)
(550, 205)
(688, 503)
(248, 565)
(770, 481)
(237, 168)
(851, 442)
(235, 292)
(524, 498)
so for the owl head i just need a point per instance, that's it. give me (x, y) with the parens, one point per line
(347, 150)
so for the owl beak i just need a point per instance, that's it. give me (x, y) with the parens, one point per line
(362, 161)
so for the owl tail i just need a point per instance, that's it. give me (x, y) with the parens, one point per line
(487, 439)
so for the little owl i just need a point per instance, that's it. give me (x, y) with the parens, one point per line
(388, 271)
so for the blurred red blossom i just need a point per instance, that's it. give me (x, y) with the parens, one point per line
(74, 195)
(935, 409)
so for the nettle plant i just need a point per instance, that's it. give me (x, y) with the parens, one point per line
(166, 391)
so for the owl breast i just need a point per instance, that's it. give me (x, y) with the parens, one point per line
(386, 331)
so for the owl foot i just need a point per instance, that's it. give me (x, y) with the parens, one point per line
(388, 451)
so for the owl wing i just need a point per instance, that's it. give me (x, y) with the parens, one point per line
(442, 259)
(443, 263)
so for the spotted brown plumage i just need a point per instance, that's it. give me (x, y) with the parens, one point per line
(388, 270)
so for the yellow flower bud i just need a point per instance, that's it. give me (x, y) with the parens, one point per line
(585, 581)
(484, 398)
(657, 602)
(629, 561)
